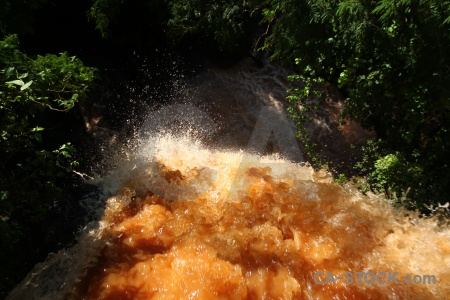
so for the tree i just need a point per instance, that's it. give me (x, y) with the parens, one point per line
(223, 25)
(35, 158)
(390, 61)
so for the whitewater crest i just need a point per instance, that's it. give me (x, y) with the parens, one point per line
(189, 222)
(196, 210)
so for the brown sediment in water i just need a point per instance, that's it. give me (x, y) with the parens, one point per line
(265, 241)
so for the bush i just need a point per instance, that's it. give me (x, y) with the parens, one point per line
(390, 61)
(35, 95)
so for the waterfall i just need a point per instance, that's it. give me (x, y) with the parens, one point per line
(212, 200)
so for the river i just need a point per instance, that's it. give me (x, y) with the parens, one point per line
(212, 199)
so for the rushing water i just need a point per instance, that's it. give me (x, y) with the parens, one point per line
(199, 211)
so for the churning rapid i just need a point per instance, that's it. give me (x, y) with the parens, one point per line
(190, 221)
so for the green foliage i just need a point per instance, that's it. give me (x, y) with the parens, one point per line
(223, 22)
(341, 179)
(216, 22)
(307, 98)
(294, 29)
(104, 12)
(402, 181)
(390, 59)
(34, 159)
